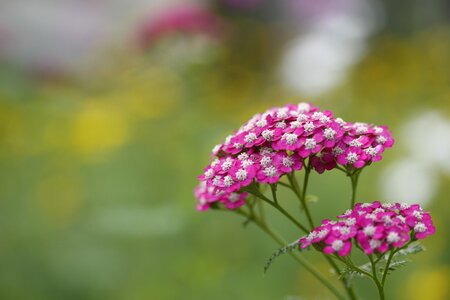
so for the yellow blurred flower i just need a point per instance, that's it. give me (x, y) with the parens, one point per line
(99, 127)
(431, 284)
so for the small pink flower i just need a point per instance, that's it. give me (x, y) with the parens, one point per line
(287, 163)
(351, 156)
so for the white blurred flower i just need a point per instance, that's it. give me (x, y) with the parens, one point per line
(335, 40)
(409, 181)
(48, 35)
(416, 178)
(427, 137)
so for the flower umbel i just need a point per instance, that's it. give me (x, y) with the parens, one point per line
(372, 227)
(278, 142)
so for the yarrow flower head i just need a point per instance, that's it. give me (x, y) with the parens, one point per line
(278, 142)
(373, 227)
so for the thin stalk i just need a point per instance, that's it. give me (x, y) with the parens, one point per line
(302, 198)
(386, 268)
(375, 279)
(302, 195)
(279, 208)
(284, 184)
(354, 179)
(276, 237)
(273, 188)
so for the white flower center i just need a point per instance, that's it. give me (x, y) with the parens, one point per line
(374, 244)
(209, 173)
(371, 151)
(381, 139)
(350, 221)
(291, 138)
(270, 171)
(371, 216)
(261, 123)
(420, 227)
(282, 113)
(378, 130)
(378, 210)
(317, 115)
(215, 162)
(247, 163)
(369, 230)
(288, 162)
(323, 233)
(310, 144)
(402, 219)
(337, 151)
(267, 134)
(404, 206)
(266, 161)
(250, 138)
(355, 143)
(417, 214)
(266, 151)
(296, 124)
(325, 119)
(337, 245)
(281, 125)
(238, 145)
(340, 121)
(302, 117)
(241, 174)
(226, 165)
(329, 133)
(228, 181)
(361, 129)
(243, 156)
(344, 230)
(393, 237)
(352, 157)
(309, 126)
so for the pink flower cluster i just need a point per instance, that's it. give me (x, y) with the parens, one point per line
(278, 141)
(372, 227)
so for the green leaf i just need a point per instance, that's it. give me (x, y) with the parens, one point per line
(289, 248)
(395, 264)
(349, 274)
(413, 248)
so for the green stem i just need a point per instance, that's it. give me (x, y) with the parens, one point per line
(349, 290)
(354, 179)
(386, 268)
(258, 194)
(284, 184)
(273, 188)
(302, 197)
(276, 237)
(375, 279)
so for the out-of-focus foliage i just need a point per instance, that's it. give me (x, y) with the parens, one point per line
(98, 166)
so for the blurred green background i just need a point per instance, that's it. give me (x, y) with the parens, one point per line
(109, 110)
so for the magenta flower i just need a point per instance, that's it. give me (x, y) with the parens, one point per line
(373, 227)
(279, 141)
